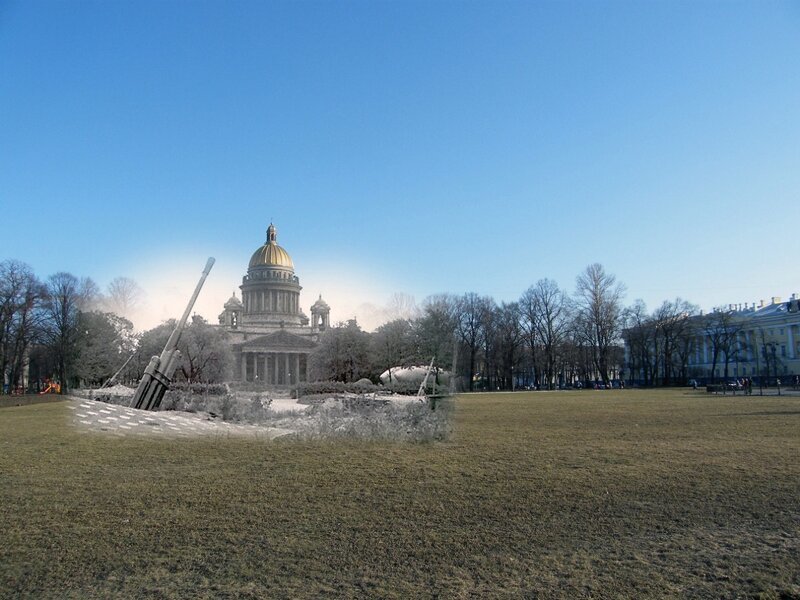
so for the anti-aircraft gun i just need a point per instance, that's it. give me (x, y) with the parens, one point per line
(158, 374)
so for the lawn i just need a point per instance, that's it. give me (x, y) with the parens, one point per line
(601, 494)
(7, 400)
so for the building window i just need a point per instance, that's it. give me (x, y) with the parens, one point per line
(783, 350)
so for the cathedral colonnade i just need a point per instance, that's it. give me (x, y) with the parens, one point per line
(274, 368)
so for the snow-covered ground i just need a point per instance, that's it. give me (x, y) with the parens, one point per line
(100, 417)
(351, 415)
(284, 405)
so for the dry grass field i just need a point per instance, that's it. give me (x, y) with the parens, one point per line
(615, 494)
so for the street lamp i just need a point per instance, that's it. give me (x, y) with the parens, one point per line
(775, 366)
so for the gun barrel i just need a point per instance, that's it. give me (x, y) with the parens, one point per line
(158, 374)
(172, 343)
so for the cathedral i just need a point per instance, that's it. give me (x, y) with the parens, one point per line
(271, 335)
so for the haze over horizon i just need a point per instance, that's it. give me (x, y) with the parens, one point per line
(405, 147)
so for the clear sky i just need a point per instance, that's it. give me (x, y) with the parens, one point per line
(414, 147)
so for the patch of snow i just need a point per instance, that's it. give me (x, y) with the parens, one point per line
(287, 405)
(115, 390)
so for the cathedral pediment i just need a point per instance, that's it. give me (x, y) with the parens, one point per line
(279, 341)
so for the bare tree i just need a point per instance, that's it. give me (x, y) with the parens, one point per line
(765, 347)
(599, 301)
(639, 335)
(392, 345)
(89, 295)
(471, 317)
(435, 332)
(581, 350)
(21, 296)
(672, 321)
(490, 369)
(722, 330)
(684, 348)
(508, 337)
(528, 313)
(65, 295)
(206, 355)
(547, 312)
(342, 354)
(123, 296)
(104, 342)
(150, 343)
(401, 306)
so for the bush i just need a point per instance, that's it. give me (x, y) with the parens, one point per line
(408, 389)
(257, 410)
(200, 389)
(362, 386)
(227, 406)
(412, 421)
(319, 387)
(316, 398)
(251, 386)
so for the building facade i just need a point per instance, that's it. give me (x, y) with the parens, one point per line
(741, 341)
(766, 343)
(271, 335)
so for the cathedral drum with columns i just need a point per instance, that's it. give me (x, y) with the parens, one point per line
(272, 336)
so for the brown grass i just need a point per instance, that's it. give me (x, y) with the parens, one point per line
(28, 399)
(588, 494)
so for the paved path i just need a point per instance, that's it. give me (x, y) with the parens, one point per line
(95, 416)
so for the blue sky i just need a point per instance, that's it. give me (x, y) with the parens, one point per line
(415, 147)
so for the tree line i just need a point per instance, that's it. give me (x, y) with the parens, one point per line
(550, 338)
(546, 339)
(64, 329)
(661, 344)
(42, 323)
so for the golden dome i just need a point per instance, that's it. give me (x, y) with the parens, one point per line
(270, 254)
